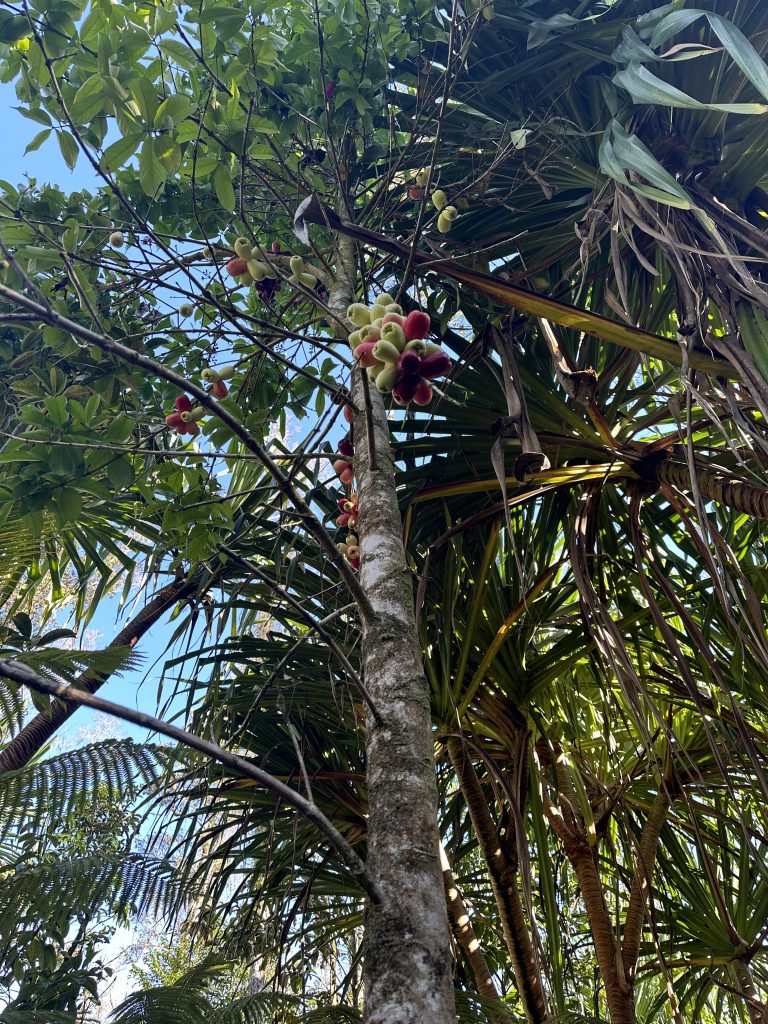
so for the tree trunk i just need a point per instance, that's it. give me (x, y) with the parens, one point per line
(641, 882)
(464, 934)
(407, 967)
(504, 882)
(570, 828)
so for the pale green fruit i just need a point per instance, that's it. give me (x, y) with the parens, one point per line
(359, 314)
(386, 378)
(257, 269)
(444, 224)
(439, 199)
(297, 264)
(243, 248)
(186, 309)
(393, 335)
(450, 212)
(117, 239)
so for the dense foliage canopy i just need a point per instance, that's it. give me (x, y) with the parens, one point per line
(582, 500)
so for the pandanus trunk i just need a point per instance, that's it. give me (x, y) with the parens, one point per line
(503, 872)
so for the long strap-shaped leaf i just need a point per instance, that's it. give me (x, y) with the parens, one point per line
(312, 211)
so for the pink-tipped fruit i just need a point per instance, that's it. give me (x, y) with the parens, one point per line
(416, 325)
(236, 267)
(365, 356)
(174, 420)
(416, 193)
(219, 389)
(393, 318)
(349, 414)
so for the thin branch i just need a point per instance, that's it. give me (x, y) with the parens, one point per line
(26, 676)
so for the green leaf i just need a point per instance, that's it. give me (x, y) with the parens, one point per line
(222, 181)
(168, 152)
(69, 148)
(120, 473)
(116, 155)
(38, 140)
(151, 170)
(57, 409)
(145, 95)
(13, 27)
(646, 88)
(742, 52)
(176, 107)
(68, 505)
(88, 100)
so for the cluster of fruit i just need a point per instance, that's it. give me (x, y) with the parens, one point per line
(446, 214)
(185, 419)
(348, 510)
(394, 351)
(245, 266)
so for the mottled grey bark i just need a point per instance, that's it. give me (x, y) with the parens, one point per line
(408, 961)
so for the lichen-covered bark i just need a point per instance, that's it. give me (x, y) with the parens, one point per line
(407, 969)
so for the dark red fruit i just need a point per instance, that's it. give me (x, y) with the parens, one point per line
(416, 325)
(436, 364)
(275, 247)
(416, 193)
(219, 389)
(346, 447)
(183, 403)
(405, 389)
(329, 89)
(409, 364)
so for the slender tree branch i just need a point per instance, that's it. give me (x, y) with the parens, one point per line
(26, 676)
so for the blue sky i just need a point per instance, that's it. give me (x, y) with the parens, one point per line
(46, 163)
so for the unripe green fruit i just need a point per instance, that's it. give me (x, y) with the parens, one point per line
(386, 379)
(384, 299)
(296, 264)
(439, 199)
(377, 322)
(430, 346)
(116, 239)
(386, 352)
(207, 252)
(245, 279)
(308, 280)
(257, 269)
(243, 248)
(421, 177)
(194, 414)
(418, 346)
(393, 335)
(359, 314)
(186, 309)
(369, 333)
(209, 375)
(355, 339)
(488, 12)
(394, 307)
(451, 212)
(226, 372)
(444, 225)
(373, 371)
